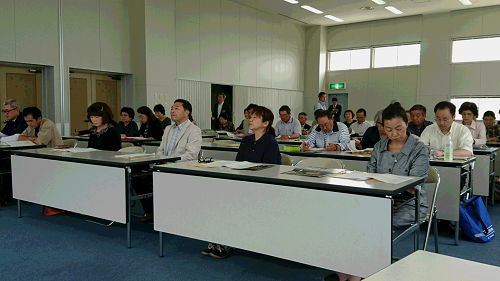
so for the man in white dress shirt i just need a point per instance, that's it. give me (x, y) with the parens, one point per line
(288, 127)
(437, 134)
(321, 102)
(361, 125)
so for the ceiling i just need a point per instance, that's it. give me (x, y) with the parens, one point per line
(350, 12)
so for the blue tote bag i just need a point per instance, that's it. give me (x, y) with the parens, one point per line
(475, 221)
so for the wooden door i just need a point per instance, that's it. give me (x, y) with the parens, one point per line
(87, 88)
(107, 90)
(20, 84)
(80, 98)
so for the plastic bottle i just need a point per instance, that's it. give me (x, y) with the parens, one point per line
(448, 149)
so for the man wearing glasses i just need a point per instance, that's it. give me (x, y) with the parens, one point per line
(327, 134)
(436, 134)
(15, 121)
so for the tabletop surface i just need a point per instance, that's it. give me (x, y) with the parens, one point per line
(422, 265)
(274, 175)
(99, 157)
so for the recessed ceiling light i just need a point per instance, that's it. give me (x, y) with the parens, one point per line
(311, 9)
(465, 2)
(367, 8)
(292, 1)
(394, 10)
(334, 18)
(380, 2)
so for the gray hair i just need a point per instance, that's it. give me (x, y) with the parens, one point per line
(377, 116)
(13, 103)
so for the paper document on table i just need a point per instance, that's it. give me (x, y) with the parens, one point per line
(76, 149)
(134, 155)
(221, 132)
(317, 148)
(363, 176)
(18, 143)
(231, 135)
(237, 165)
(134, 138)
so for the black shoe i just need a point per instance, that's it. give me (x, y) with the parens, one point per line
(332, 277)
(220, 253)
(209, 249)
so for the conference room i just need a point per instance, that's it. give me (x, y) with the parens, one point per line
(62, 56)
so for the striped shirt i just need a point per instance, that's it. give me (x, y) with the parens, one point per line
(339, 134)
(319, 105)
(177, 130)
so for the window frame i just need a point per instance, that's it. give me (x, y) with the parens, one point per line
(471, 38)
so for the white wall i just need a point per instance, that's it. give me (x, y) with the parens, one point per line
(158, 41)
(436, 79)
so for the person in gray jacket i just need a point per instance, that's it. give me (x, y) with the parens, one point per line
(182, 138)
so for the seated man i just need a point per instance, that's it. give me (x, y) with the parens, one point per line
(288, 127)
(244, 126)
(328, 133)
(417, 122)
(436, 134)
(15, 121)
(182, 139)
(361, 125)
(41, 131)
(304, 127)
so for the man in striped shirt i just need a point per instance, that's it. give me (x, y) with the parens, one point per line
(328, 133)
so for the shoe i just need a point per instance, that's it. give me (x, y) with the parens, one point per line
(220, 252)
(332, 277)
(209, 249)
(147, 218)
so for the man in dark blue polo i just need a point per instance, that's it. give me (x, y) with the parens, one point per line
(15, 120)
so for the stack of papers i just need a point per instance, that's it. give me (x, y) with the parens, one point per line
(133, 156)
(76, 149)
(236, 165)
(363, 176)
(18, 143)
(134, 138)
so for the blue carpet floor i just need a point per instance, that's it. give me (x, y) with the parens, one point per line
(66, 247)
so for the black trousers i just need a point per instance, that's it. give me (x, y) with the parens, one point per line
(144, 185)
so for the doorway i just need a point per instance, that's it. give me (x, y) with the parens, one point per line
(216, 90)
(342, 100)
(23, 84)
(87, 88)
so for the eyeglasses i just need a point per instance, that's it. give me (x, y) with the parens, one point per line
(7, 111)
(322, 126)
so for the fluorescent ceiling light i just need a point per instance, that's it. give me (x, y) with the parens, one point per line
(311, 9)
(380, 2)
(394, 10)
(465, 2)
(292, 1)
(334, 18)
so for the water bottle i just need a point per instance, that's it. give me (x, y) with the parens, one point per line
(448, 149)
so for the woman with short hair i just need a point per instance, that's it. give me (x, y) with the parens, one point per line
(103, 135)
(151, 127)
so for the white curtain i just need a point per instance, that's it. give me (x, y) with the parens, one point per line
(198, 94)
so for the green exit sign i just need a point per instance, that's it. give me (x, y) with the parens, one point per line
(337, 86)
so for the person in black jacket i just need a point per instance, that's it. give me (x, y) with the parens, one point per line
(219, 108)
(103, 135)
(151, 127)
(335, 109)
(373, 134)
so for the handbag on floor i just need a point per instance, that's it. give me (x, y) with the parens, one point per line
(475, 221)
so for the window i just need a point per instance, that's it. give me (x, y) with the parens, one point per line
(390, 56)
(394, 56)
(474, 50)
(484, 104)
(351, 59)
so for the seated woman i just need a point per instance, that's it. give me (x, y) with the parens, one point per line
(261, 147)
(151, 127)
(349, 115)
(412, 160)
(225, 124)
(103, 135)
(469, 112)
(373, 134)
(160, 113)
(126, 127)
(492, 129)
